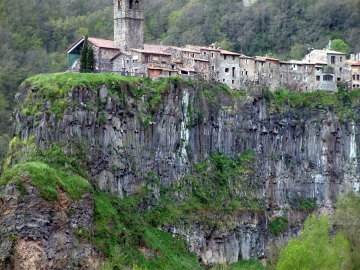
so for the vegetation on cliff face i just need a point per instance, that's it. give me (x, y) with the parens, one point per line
(36, 33)
(343, 103)
(133, 229)
(314, 249)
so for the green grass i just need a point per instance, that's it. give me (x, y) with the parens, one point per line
(278, 225)
(47, 180)
(303, 203)
(121, 230)
(342, 102)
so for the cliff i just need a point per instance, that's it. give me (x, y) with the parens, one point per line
(230, 172)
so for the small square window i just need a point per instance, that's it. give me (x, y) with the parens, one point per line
(226, 69)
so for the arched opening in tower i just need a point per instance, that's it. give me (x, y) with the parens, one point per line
(119, 4)
(137, 4)
(131, 4)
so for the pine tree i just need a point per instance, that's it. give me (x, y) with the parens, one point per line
(83, 55)
(89, 59)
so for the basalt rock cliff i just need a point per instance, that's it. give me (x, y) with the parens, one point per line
(305, 152)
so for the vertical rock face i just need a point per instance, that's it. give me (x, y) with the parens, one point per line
(38, 234)
(302, 155)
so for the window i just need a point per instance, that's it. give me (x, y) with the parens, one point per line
(172, 66)
(281, 76)
(317, 69)
(332, 59)
(212, 55)
(318, 78)
(127, 61)
(233, 57)
(270, 76)
(131, 3)
(155, 59)
(193, 55)
(328, 78)
(338, 79)
(354, 77)
(147, 58)
(246, 73)
(223, 80)
(232, 81)
(341, 59)
(358, 77)
(205, 77)
(226, 69)
(262, 64)
(224, 57)
(247, 61)
(242, 72)
(204, 53)
(213, 67)
(233, 72)
(340, 69)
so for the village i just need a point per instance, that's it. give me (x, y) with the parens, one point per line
(127, 55)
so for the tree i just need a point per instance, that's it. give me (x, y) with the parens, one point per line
(298, 51)
(340, 46)
(89, 59)
(313, 249)
(84, 55)
(347, 217)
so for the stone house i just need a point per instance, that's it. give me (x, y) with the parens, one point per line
(354, 67)
(128, 55)
(229, 69)
(104, 51)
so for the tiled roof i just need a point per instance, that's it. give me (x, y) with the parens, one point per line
(120, 53)
(103, 43)
(98, 42)
(327, 51)
(155, 48)
(151, 52)
(353, 62)
(228, 52)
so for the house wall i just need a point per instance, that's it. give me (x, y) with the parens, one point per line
(355, 77)
(122, 64)
(229, 70)
(102, 58)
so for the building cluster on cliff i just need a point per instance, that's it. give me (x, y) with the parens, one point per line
(128, 55)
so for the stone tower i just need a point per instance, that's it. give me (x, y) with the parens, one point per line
(129, 24)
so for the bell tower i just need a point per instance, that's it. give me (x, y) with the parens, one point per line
(129, 24)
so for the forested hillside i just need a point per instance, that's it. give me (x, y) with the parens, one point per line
(35, 33)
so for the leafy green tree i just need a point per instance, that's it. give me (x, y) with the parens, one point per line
(298, 51)
(89, 59)
(340, 46)
(84, 55)
(314, 250)
(347, 217)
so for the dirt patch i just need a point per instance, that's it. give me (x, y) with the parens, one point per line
(29, 255)
(63, 202)
(149, 253)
